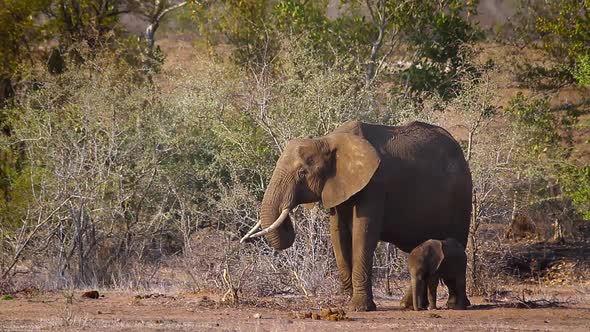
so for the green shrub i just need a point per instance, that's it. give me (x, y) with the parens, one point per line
(582, 71)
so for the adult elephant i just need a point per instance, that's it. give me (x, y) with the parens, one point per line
(402, 185)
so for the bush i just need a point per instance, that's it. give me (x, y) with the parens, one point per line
(134, 167)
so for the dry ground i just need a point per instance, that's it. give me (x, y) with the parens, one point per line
(126, 311)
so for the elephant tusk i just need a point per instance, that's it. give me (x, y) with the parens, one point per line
(274, 225)
(250, 232)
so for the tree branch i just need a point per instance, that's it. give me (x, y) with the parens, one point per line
(150, 31)
(30, 236)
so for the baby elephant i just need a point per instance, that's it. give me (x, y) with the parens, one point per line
(434, 260)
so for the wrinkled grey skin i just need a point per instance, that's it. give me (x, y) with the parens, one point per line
(402, 185)
(432, 261)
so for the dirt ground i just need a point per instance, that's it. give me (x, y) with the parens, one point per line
(558, 309)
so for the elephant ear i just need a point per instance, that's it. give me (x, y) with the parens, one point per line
(355, 162)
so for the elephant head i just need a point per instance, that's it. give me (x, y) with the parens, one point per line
(330, 168)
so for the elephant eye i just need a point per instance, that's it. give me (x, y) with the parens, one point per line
(302, 173)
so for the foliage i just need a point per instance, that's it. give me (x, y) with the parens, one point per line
(437, 34)
(90, 162)
(433, 33)
(247, 25)
(558, 28)
(545, 136)
(538, 123)
(576, 184)
(117, 165)
(565, 29)
(561, 30)
(96, 21)
(582, 71)
(20, 30)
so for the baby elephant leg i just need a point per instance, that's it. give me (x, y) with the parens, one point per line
(432, 286)
(407, 302)
(419, 285)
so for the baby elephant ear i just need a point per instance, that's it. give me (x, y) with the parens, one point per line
(437, 255)
(355, 161)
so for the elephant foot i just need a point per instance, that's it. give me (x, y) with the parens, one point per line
(407, 302)
(361, 303)
(451, 304)
(431, 307)
(454, 304)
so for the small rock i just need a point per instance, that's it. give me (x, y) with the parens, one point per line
(435, 316)
(99, 312)
(325, 312)
(257, 316)
(333, 314)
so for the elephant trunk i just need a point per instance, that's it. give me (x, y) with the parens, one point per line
(277, 198)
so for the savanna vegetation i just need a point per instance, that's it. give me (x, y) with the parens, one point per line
(122, 166)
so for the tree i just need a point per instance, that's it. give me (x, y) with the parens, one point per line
(558, 28)
(561, 30)
(564, 29)
(426, 34)
(85, 20)
(20, 29)
(155, 11)
(545, 158)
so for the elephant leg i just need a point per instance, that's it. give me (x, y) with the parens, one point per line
(425, 296)
(340, 223)
(366, 228)
(432, 286)
(451, 285)
(461, 296)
